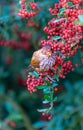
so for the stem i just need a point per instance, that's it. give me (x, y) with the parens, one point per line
(51, 102)
(81, 125)
(27, 122)
(51, 95)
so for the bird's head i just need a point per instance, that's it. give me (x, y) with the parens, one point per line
(47, 50)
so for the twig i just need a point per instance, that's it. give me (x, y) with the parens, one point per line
(27, 122)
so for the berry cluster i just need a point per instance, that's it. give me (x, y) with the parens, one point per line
(31, 23)
(66, 68)
(11, 124)
(24, 42)
(64, 36)
(29, 10)
(46, 117)
(33, 83)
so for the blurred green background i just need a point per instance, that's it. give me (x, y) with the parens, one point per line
(18, 108)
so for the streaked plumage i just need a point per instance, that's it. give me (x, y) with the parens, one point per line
(43, 59)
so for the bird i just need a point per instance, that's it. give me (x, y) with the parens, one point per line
(42, 59)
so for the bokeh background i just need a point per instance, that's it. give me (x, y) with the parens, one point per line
(19, 38)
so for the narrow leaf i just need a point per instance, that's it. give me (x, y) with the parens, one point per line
(71, 4)
(42, 87)
(47, 97)
(31, 73)
(56, 37)
(81, 19)
(55, 99)
(42, 110)
(46, 91)
(36, 74)
(54, 85)
(62, 10)
(57, 20)
(45, 102)
(47, 82)
(40, 124)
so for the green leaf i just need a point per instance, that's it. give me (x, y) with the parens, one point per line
(46, 91)
(81, 19)
(54, 85)
(62, 10)
(45, 102)
(55, 99)
(56, 37)
(42, 110)
(40, 124)
(47, 82)
(47, 97)
(56, 77)
(80, 23)
(77, 22)
(15, 117)
(31, 73)
(57, 20)
(42, 87)
(61, 15)
(71, 4)
(34, 74)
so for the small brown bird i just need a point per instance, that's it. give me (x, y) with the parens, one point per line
(43, 59)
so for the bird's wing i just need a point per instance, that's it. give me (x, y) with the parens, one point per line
(47, 64)
(35, 59)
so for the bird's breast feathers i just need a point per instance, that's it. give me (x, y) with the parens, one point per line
(37, 58)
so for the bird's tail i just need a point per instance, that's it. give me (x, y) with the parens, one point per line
(30, 69)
